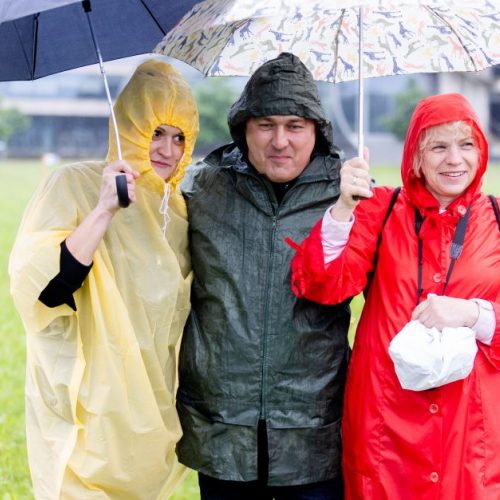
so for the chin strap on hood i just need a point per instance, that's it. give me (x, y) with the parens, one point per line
(164, 209)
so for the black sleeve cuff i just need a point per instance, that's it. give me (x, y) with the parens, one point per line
(70, 278)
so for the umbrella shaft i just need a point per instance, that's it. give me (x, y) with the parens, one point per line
(87, 8)
(360, 87)
(111, 110)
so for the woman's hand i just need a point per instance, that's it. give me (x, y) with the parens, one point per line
(84, 240)
(108, 198)
(354, 181)
(440, 311)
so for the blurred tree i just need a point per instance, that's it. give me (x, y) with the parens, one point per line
(214, 97)
(405, 102)
(11, 121)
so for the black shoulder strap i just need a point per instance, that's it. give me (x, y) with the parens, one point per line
(495, 208)
(394, 197)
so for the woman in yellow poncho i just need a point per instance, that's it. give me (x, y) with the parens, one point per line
(101, 360)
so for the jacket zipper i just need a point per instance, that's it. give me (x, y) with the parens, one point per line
(263, 386)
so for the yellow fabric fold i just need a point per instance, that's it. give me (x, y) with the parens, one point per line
(100, 386)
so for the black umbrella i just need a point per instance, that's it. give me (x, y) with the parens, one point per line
(42, 37)
(50, 41)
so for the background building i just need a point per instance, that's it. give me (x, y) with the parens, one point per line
(69, 112)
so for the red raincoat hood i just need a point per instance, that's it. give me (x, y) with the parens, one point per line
(432, 111)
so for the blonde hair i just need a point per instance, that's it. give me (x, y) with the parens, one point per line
(429, 134)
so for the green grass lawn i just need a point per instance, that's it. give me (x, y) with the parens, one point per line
(18, 179)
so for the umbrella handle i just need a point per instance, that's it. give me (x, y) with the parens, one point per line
(122, 191)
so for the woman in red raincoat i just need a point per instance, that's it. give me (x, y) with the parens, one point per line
(442, 443)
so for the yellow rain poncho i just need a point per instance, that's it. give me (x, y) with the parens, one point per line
(100, 385)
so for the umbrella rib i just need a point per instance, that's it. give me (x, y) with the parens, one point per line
(441, 18)
(148, 10)
(35, 45)
(26, 58)
(337, 36)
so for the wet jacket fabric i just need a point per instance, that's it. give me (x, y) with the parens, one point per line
(251, 350)
(399, 444)
(100, 384)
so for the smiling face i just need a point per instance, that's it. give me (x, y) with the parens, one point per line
(280, 147)
(448, 160)
(166, 150)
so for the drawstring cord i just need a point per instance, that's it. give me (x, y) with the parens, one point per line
(164, 209)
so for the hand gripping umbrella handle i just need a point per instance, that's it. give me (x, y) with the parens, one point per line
(358, 197)
(122, 191)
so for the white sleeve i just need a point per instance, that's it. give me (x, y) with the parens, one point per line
(334, 236)
(484, 327)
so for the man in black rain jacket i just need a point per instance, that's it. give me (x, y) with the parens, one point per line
(262, 373)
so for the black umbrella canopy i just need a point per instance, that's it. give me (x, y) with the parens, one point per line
(59, 39)
(15, 10)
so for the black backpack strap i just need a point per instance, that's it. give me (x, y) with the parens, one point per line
(394, 197)
(495, 208)
(392, 202)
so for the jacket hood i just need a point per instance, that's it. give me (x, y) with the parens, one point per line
(281, 86)
(156, 94)
(432, 111)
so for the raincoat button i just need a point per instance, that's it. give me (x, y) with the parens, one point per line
(433, 408)
(437, 278)
(434, 477)
(461, 210)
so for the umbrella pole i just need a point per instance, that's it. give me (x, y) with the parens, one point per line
(87, 8)
(360, 87)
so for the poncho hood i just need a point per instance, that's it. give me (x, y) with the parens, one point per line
(156, 95)
(432, 111)
(282, 86)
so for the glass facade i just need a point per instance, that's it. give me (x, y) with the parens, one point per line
(67, 136)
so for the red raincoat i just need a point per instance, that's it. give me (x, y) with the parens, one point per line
(441, 443)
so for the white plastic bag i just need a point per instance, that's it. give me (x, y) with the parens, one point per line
(425, 358)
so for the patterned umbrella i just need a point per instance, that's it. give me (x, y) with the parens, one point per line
(234, 37)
